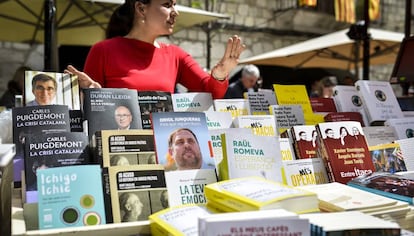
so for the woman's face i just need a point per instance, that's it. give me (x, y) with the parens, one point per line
(160, 16)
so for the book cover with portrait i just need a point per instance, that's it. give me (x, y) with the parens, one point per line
(61, 88)
(304, 140)
(36, 120)
(49, 151)
(67, 200)
(133, 193)
(153, 101)
(126, 147)
(111, 109)
(344, 149)
(182, 140)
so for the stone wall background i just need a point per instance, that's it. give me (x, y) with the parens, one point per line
(253, 20)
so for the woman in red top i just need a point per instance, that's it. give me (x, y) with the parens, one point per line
(135, 60)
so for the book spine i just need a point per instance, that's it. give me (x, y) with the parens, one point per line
(107, 195)
(224, 199)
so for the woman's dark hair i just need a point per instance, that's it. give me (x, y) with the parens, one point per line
(122, 19)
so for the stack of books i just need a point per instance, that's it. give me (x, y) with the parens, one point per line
(257, 193)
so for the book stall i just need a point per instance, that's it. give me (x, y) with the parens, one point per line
(187, 164)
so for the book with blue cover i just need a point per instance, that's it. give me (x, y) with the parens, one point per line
(70, 196)
(182, 140)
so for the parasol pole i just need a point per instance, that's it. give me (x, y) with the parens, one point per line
(50, 45)
(407, 25)
(366, 42)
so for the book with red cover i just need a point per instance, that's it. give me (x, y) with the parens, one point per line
(344, 116)
(323, 104)
(304, 141)
(344, 149)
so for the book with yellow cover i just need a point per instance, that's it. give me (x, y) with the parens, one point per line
(293, 95)
(263, 125)
(257, 193)
(236, 106)
(179, 221)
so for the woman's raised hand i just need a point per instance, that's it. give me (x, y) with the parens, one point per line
(84, 80)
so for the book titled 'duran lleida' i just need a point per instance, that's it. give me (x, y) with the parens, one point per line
(257, 193)
(70, 196)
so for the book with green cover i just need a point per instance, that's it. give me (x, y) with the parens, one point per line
(66, 199)
(250, 155)
(257, 193)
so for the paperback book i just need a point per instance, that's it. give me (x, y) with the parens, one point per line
(182, 140)
(322, 105)
(218, 120)
(350, 223)
(126, 147)
(262, 125)
(269, 222)
(63, 86)
(66, 200)
(407, 149)
(250, 155)
(187, 186)
(236, 106)
(37, 120)
(153, 101)
(347, 98)
(196, 102)
(293, 95)
(379, 135)
(260, 101)
(387, 158)
(257, 193)
(50, 151)
(335, 196)
(133, 193)
(111, 109)
(304, 172)
(304, 138)
(180, 220)
(344, 116)
(379, 101)
(287, 116)
(343, 147)
(386, 184)
(403, 127)
(76, 120)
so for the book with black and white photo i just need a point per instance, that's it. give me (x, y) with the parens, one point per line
(111, 108)
(153, 101)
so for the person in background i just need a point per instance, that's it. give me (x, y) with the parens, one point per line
(44, 90)
(14, 87)
(249, 76)
(132, 57)
(326, 88)
(348, 81)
